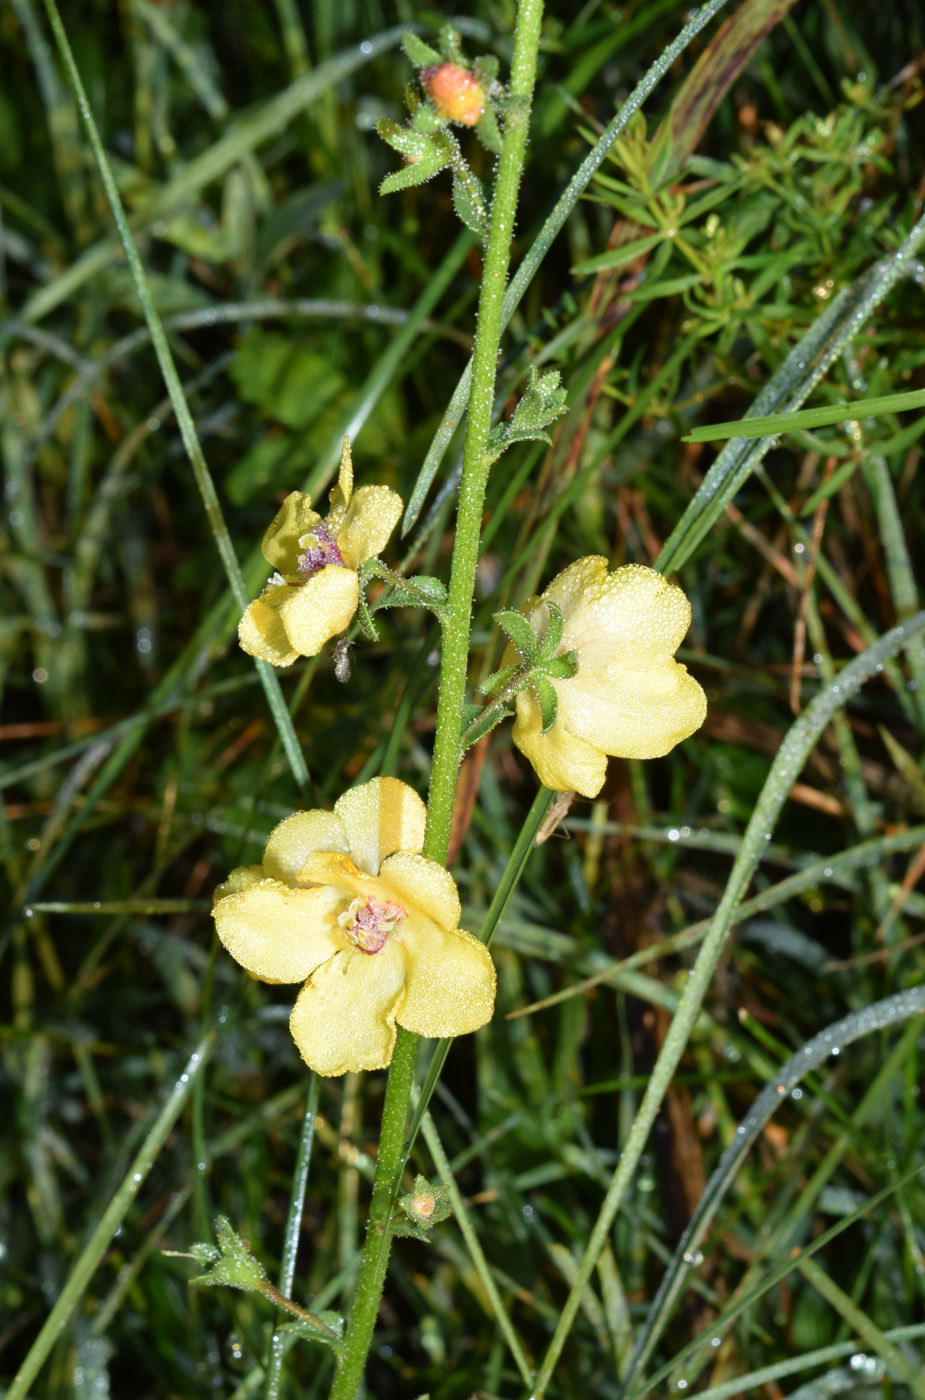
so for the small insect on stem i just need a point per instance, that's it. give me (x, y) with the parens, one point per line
(556, 814)
(343, 666)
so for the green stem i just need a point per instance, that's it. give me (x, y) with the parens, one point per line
(375, 1256)
(454, 662)
(453, 669)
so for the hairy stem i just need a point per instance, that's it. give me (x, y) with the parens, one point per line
(453, 669)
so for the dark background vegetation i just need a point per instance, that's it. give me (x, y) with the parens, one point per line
(141, 761)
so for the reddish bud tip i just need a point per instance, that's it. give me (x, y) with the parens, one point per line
(454, 92)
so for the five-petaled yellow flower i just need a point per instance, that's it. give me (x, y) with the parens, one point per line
(314, 593)
(345, 903)
(629, 698)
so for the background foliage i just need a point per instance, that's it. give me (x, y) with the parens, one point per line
(142, 761)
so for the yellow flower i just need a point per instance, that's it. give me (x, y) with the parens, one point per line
(314, 593)
(455, 93)
(345, 903)
(629, 697)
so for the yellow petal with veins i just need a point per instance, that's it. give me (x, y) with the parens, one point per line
(294, 519)
(451, 980)
(320, 608)
(344, 1018)
(277, 933)
(261, 631)
(290, 844)
(634, 713)
(423, 883)
(370, 518)
(562, 761)
(381, 816)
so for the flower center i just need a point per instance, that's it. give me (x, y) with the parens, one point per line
(368, 922)
(320, 549)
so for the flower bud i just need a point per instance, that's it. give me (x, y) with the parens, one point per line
(454, 92)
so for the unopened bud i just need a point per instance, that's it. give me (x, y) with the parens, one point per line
(423, 1205)
(454, 92)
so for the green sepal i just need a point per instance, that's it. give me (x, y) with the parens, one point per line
(367, 626)
(417, 174)
(470, 714)
(419, 54)
(563, 668)
(485, 70)
(519, 631)
(486, 129)
(450, 45)
(231, 1263)
(551, 638)
(414, 144)
(434, 588)
(469, 203)
(548, 700)
(326, 1327)
(495, 683)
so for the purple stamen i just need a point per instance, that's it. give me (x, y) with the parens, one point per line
(321, 550)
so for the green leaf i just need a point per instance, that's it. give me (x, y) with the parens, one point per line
(519, 631)
(617, 257)
(548, 700)
(232, 1263)
(326, 1327)
(434, 590)
(418, 53)
(809, 418)
(542, 402)
(469, 203)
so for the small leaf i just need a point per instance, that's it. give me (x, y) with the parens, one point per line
(520, 632)
(553, 634)
(547, 698)
(469, 203)
(232, 1263)
(326, 1327)
(485, 70)
(417, 52)
(434, 590)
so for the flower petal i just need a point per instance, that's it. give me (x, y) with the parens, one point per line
(451, 979)
(239, 880)
(632, 713)
(633, 616)
(341, 493)
(294, 518)
(562, 761)
(290, 844)
(344, 1018)
(371, 516)
(381, 816)
(423, 883)
(261, 632)
(320, 608)
(279, 934)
